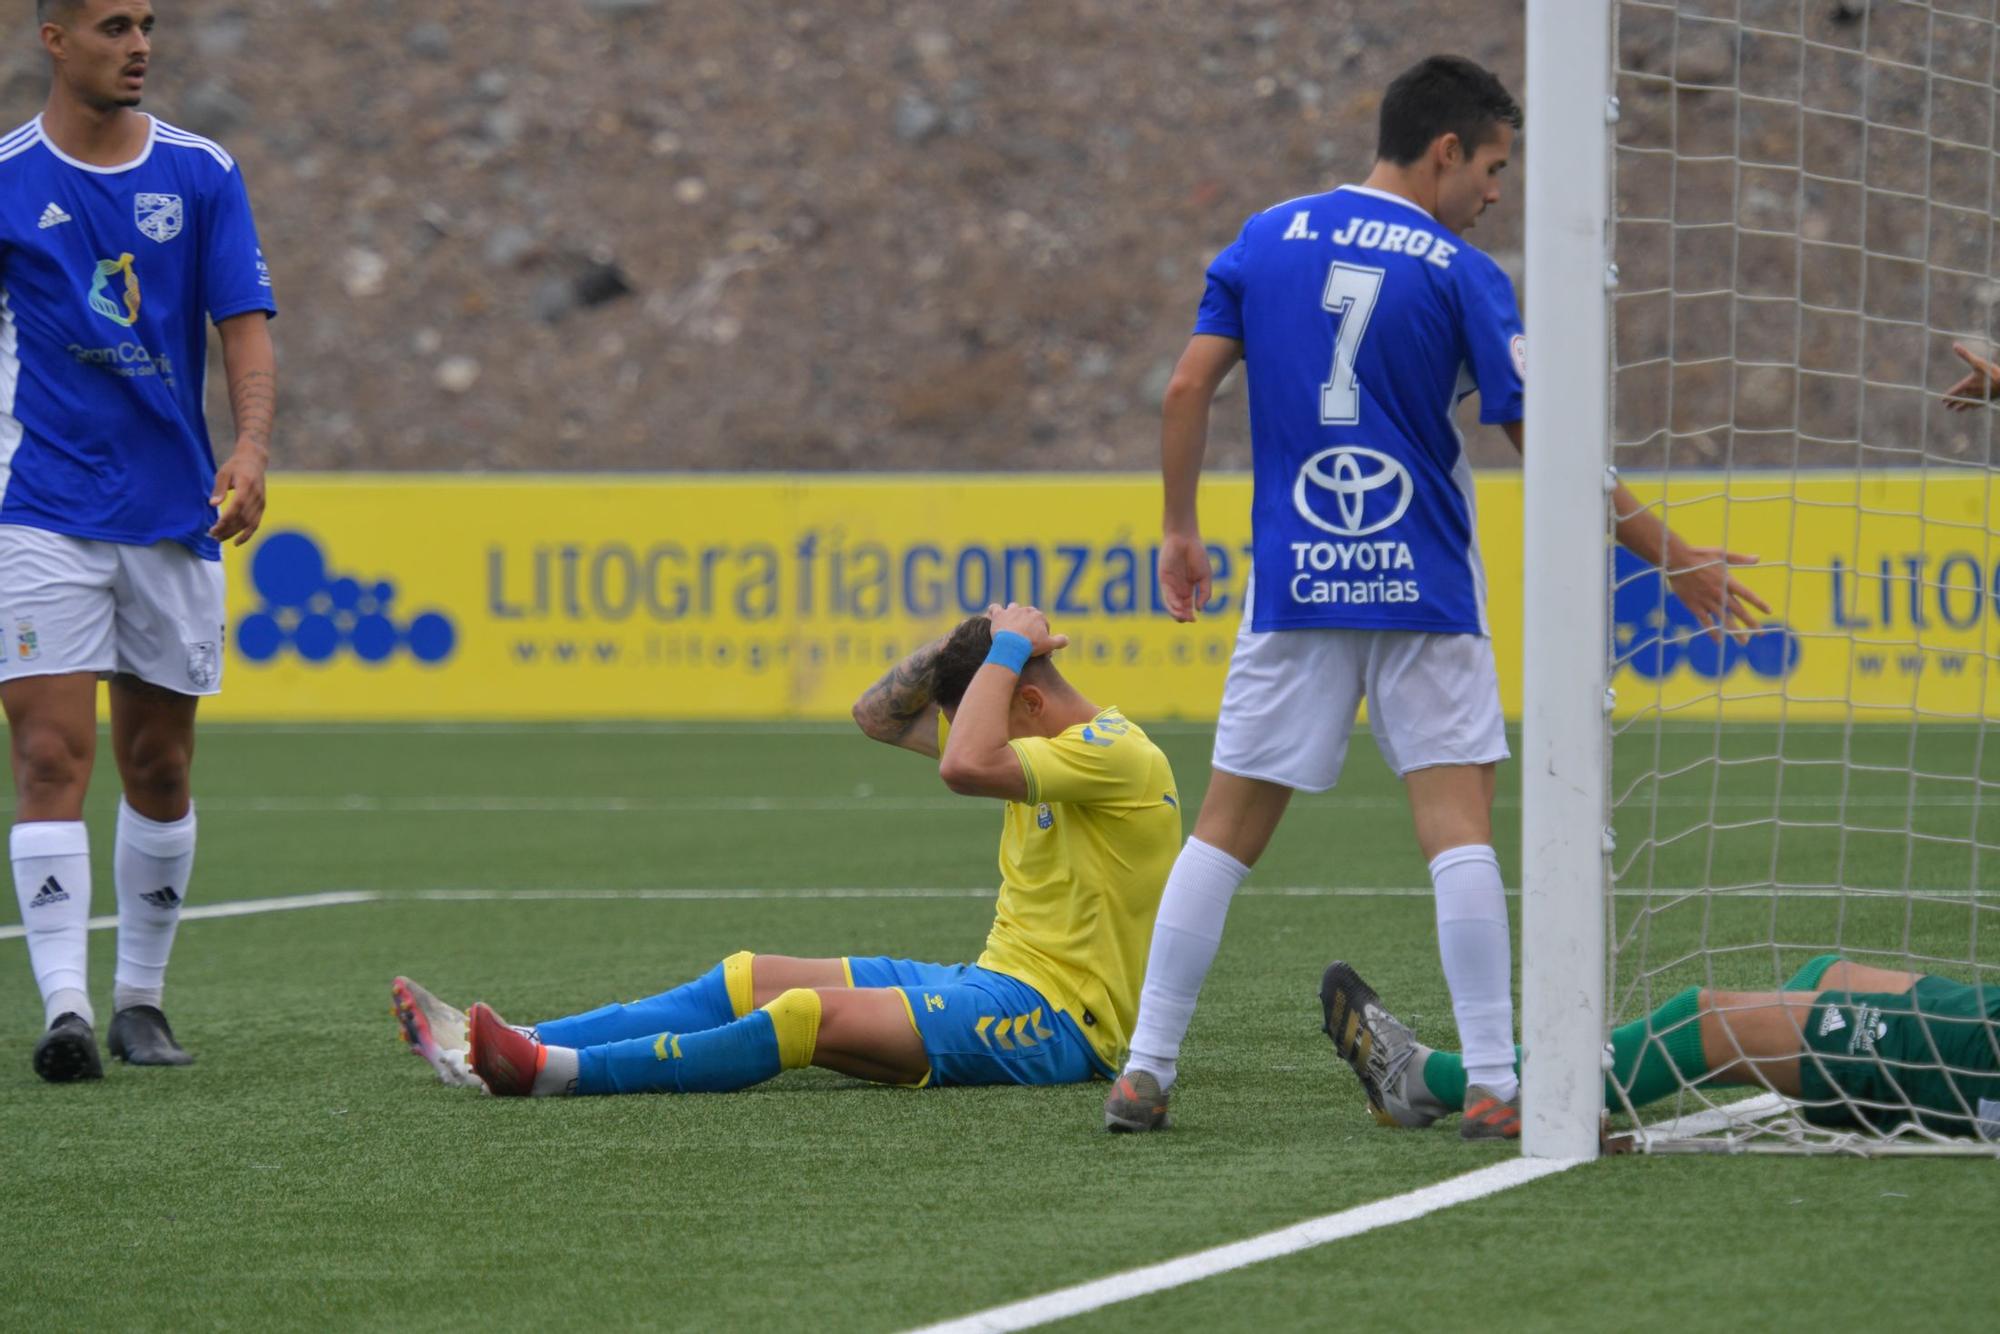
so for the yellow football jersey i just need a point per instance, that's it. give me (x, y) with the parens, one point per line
(1082, 864)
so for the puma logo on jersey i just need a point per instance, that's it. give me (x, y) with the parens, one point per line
(53, 216)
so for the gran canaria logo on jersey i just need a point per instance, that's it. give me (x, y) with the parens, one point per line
(1352, 492)
(101, 298)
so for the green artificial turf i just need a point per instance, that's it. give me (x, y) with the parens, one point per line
(307, 1173)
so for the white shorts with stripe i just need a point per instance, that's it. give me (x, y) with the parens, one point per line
(70, 604)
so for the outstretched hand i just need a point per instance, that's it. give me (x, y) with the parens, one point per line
(1721, 603)
(1029, 623)
(1978, 387)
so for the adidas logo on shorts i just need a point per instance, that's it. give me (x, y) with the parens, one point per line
(1831, 1022)
(50, 893)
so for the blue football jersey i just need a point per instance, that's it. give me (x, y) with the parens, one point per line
(1364, 321)
(109, 277)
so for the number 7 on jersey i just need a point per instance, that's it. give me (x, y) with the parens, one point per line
(1351, 290)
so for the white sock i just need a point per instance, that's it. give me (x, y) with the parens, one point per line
(1478, 963)
(150, 868)
(1185, 937)
(52, 881)
(557, 1077)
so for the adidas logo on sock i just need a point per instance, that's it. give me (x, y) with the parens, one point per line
(163, 898)
(51, 892)
(53, 216)
(1832, 1022)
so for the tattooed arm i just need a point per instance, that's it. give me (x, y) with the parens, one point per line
(900, 708)
(252, 367)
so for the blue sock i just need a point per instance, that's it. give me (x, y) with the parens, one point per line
(720, 1060)
(689, 1008)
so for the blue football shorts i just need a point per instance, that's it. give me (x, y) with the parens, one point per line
(983, 1027)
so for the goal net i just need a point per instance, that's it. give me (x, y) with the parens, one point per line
(1802, 222)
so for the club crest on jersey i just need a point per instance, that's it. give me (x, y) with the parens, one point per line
(25, 640)
(160, 217)
(1044, 817)
(1351, 491)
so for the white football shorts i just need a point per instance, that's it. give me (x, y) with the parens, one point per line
(69, 604)
(1290, 701)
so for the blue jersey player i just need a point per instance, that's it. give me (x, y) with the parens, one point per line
(121, 239)
(1363, 318)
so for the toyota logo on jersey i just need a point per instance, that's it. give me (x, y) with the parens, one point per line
(1351, 491)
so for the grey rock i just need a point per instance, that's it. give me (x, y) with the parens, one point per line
(222, 35)
(587, 281)
(428, 41)
(619, 8)
(509, 244)
(917, 118)
(210, 109)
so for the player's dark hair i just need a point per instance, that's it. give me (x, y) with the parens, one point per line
(46, 9)
(1442, 95)
(963, 654)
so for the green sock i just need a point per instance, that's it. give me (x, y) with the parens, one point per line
(1444, 1076)
(1650, 1056)
(1808, 977)
(1650, 1071)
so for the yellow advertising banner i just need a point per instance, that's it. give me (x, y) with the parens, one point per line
(755, 597)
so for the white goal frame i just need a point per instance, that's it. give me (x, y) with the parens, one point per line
(1564, 741)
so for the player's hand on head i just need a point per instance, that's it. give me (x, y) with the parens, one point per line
(239, 495)
(1721, 603)
(1185, 576)
(1978, 387)
(1029, 623)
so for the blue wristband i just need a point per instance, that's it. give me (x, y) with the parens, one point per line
(1010, 650)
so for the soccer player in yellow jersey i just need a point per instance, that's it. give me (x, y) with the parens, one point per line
(1091, 828)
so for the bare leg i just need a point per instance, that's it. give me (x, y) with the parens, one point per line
(1847, 976)
(773, 974)
(1239, 815)
(152, 736)
(52, 725)
(1755, 1037)
(1452, 805)
(868, 1033)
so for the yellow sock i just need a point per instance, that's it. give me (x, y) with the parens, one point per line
(736, 977)
(795, 1020)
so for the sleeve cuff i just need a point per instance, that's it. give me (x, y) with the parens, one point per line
(1027, 771)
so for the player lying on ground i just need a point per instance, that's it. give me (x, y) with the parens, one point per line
(1091, 826)
(1859, 1047)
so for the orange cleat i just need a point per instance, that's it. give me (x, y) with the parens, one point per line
(1489, 1117)
(502, 1055)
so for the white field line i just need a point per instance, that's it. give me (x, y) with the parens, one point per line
(237, 908)
(1066, 1302)
(736, 894)
(611, 804)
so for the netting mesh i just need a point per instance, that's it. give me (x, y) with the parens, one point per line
(1804, 197)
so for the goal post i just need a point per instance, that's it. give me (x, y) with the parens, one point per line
(1755, 230)
(1563, 741)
